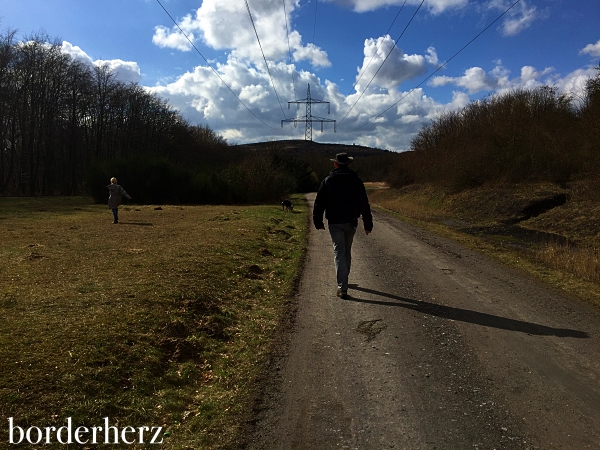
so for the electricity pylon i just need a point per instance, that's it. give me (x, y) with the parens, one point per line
(309, 118)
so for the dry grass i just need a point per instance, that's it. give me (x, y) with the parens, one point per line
(582, 262)
(161, 320)
(573, 266)
(420, 203)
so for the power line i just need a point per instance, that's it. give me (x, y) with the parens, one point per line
(308, 119)
(377, 49)
(386, 58)
(213, 69)
(441, 66)
(315, 23)
(287, 31)
(265, 59)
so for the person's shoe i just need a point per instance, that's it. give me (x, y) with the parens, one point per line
(342, 294)
(115, 221)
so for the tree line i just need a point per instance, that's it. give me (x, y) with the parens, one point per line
(66, 127)
(523, 135)
(58, 116)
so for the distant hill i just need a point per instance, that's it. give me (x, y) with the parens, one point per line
(327, 150)
(372, 164)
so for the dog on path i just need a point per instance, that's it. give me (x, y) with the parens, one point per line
(286, 205)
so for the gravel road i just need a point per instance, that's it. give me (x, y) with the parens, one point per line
(437, 348)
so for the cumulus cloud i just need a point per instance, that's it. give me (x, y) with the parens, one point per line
(459, 100)
(215, 20)
(174, 38)
(202, 98)
(592, 50)
(76, 53)
(574, 82)
(165, 38)
(125, 71)
(312, 53)
(476, 79)
(431, 56)
(518, 19)
(435, 6)
(398, 67)
(384, 117)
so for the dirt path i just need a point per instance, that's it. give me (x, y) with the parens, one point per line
(437, 348)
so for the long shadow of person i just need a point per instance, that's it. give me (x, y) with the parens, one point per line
(467, 315)
(139, 224)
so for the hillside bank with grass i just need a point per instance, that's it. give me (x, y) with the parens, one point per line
(546, 229)
(164, 319)
(516, 175)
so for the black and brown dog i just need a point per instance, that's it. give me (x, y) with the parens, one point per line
(286, 205)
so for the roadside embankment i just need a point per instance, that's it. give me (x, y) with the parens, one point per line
(550, 231)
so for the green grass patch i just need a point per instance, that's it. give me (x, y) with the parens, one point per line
(164, 319)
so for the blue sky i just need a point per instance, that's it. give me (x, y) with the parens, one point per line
(543, 42)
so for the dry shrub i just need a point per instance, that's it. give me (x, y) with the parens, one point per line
(523, 135)
(583, 262)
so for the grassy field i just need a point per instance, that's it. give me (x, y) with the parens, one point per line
(560, 246)
(162, 320)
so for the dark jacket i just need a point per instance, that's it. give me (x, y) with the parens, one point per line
(343, 198)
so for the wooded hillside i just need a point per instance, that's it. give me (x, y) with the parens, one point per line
(59, 116)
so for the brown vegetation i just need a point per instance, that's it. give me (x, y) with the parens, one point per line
(162, 320)
(524, 135)
(519, 171)
(558, 242)
(59, 116)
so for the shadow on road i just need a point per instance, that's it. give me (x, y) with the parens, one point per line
(466, 315)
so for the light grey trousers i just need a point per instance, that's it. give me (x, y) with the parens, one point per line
(342, 235)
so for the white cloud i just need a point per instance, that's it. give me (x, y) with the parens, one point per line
(432, 57)
(474, 80)
(253, 94)
(384, 117)
(439, 6)
(435, 6)
(202, 98)
(459, 100)
(174, 38)
(398, 67)
(232, 134)
(225, 25)
(530, 78)
(574, 82)
(497, 80)
(312, 53)
(409, 118)
(592, 50)
(76, 53)
(518, 18)
(125, 71)
(165, 38)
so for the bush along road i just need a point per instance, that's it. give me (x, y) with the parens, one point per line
(437, 347)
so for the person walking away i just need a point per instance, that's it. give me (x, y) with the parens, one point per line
(343, 198)
(115, 197)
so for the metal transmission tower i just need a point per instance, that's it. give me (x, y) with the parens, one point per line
(309, 118)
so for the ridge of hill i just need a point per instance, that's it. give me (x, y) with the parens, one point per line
(326, 149)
